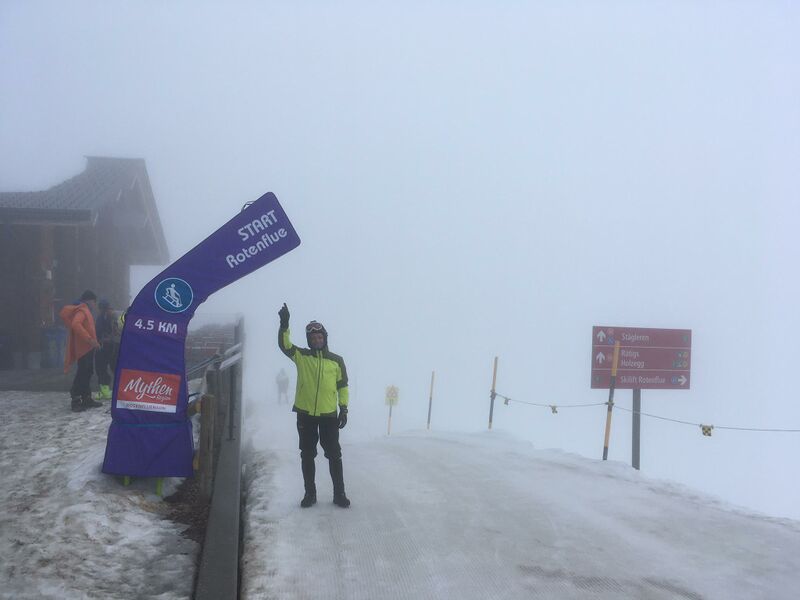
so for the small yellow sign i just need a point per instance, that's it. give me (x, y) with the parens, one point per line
(392, 395)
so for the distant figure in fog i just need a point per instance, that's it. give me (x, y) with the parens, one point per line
(283, 387)
(321, 386)
(81, 344)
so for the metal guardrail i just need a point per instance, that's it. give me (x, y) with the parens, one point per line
(218, 573)
(228, 362)
(232, 349)
(202, 366)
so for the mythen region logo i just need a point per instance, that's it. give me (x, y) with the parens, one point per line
(174, 295)
(145, 390)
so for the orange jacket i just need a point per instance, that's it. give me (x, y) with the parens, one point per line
(82, 337)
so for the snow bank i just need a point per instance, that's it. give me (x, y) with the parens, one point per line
(66, 529)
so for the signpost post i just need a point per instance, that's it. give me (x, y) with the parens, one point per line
(657, 359)
(636, 428)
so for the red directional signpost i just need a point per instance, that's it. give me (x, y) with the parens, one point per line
(656, 359)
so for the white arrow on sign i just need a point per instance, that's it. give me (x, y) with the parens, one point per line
(601, 335)
(682, 380)
(600, 357)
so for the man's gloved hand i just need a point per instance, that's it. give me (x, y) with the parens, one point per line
(283, 313)
(342, 417)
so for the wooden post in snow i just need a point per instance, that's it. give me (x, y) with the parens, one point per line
(611, 399)
(492, 395)
(430, 400)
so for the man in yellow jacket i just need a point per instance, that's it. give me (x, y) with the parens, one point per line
(81, 344)
(321, 388)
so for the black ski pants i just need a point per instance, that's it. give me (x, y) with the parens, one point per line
(324, 430)
(80, 385)
(104, 363)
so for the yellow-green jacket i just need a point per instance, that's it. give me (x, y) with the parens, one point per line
(321, 378)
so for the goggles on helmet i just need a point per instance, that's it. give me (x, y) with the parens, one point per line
(314, 327)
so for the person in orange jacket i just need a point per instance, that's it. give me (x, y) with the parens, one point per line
(81, 344)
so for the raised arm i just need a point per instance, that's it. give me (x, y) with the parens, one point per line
(284, 340)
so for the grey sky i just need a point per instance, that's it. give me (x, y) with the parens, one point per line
(468, 180)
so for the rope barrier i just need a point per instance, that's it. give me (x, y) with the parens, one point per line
(758, 429)
(507, 400)
(705, 429)
(553, 407)
(658, 417)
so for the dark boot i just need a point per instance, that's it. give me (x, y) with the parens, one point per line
(337, 477)
(341, 500)
(87, 402)
(310, 498)
(76, 404)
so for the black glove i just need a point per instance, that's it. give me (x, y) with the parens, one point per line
(342, 417)
(283, 313)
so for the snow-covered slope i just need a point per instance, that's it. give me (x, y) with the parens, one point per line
(485, 515)
(66, 530)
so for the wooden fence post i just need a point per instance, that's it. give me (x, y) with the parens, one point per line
(430, 399)
(493, 394)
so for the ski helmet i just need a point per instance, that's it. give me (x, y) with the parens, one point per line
(316, 327)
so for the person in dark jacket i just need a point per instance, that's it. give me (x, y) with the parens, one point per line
(321, 388)
(81, 344)
(104, 356)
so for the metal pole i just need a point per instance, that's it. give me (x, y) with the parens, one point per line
(236, 402)
(494, 381)
(389, 427)
(430, 399)
(231, 398)
(611, 399)
(208, 412)
(637, 419)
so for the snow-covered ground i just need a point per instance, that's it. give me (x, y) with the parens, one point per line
(68, 531)
(434, 515)
(485, 515)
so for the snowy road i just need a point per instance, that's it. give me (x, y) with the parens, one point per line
(488, 516)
